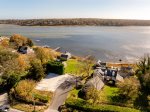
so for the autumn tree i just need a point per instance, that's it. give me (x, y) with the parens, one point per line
(18, 40)
(24, 90)
(9, 68)
(129, 89)
(5, 43)
(43, 54)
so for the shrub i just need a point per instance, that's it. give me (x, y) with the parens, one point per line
(36, 70)
(41, 98)
(12, 80)
(55, 67)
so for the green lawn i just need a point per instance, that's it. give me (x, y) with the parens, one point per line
(73, 66)
(106, 104)
(76, 103)
(108, 93)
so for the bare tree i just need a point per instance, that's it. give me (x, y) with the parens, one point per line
(86, 66)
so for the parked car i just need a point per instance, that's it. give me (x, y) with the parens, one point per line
(4, 108)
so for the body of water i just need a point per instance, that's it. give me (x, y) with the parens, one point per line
(105, 43)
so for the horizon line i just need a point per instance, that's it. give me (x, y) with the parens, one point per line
(77, 18)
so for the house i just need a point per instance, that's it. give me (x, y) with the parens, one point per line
(95, 82)
(126, 71)
(100, 65)
(25, 50)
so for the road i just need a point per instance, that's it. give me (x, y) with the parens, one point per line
(3, 99)
(60, 96)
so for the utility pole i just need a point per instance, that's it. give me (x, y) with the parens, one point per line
(33, 102)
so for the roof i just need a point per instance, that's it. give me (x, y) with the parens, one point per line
(96, 82)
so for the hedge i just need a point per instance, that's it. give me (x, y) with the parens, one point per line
(82, 105)
(55, 67)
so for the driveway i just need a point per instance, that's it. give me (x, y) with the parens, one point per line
(60, 95)
(52, 82)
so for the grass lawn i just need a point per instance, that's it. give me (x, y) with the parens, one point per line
(110, 95)
(73, 102)
(72, 66)
(107, 93)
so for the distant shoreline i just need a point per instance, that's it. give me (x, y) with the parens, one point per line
(77, 22)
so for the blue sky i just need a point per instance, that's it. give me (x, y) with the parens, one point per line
(116, 9)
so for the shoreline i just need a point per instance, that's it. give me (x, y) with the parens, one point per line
(76, 21)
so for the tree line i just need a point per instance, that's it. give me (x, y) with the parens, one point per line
(77, 21)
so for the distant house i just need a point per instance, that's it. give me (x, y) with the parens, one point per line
(100, 65)
(25, 50)
(65, 57)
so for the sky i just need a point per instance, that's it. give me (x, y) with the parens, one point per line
(107, 9)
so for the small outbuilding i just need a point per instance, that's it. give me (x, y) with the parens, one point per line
(65, 56)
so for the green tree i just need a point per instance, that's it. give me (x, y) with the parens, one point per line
(10, 69)
(86, 66)
(12, 80)
(129, 89)
(36, 70)
(93, 95)
(143, 73)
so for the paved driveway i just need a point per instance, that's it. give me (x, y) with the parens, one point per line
(52, 82)
(60, 95)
